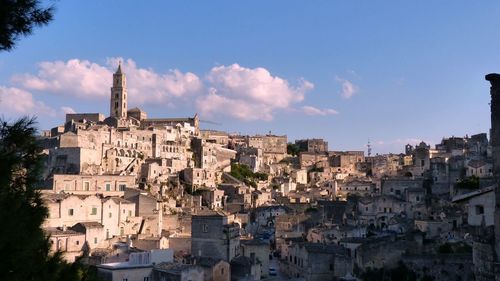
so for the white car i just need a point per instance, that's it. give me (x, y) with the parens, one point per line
(272, 271)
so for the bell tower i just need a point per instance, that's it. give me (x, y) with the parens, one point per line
(118, 102)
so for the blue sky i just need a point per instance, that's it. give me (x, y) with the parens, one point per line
(348, 71)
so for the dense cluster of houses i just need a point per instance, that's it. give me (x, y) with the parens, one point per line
(159, 199)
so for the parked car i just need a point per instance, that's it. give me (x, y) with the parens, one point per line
(273, 271)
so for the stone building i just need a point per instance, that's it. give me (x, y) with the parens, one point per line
(376, 252)
(480, 206)
(398, 186)
(138, 267)
(213, 269)
(378, 210)
(69, 242)
(212, 236)
(274, 148)
(479, 168)
(315, 261)
(198, 177)
(108, 185)
(67, 210)
(93, 231)
(257, 250)
(177, 272)
(353, 186)
(312, 145)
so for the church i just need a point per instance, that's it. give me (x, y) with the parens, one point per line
(121, 117)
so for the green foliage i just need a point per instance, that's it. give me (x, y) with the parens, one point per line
(463, 249)
(471, 182)
(292, 149)
(18, 18)
(445, 249)
(456, 248)
(311, 209)
(261, 176)
(244, 174)
(24, 247)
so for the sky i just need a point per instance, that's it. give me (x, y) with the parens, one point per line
(388, 72)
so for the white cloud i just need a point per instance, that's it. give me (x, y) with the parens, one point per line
(348, 88)
(249, 94)
(232, 90)
(80, 78)
(17, 101)
(147, 86)
(214, 104)
(67, 110)
(85, 79)
(311, 110)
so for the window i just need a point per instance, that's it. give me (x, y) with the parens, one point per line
(77, 242)
(129, 213)
(222, 271)
(108, 187)
(94, 211)
(110, 215)
(86, 186)
(95, 240)
(146, 279)
(70, 212)
(125, 279)
(205, 227)
(479, 210)
(418, 198)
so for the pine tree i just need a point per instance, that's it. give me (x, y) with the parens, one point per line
(24, 247)
(18, 18)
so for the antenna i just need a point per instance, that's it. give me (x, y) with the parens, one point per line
(369, 148)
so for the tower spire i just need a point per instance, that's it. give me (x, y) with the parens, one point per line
(118, 102)
(119, 70)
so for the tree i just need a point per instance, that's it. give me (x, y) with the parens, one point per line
(19, 18)
(24, 247)
(471, 182)
(292, 149)
(243, 173)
